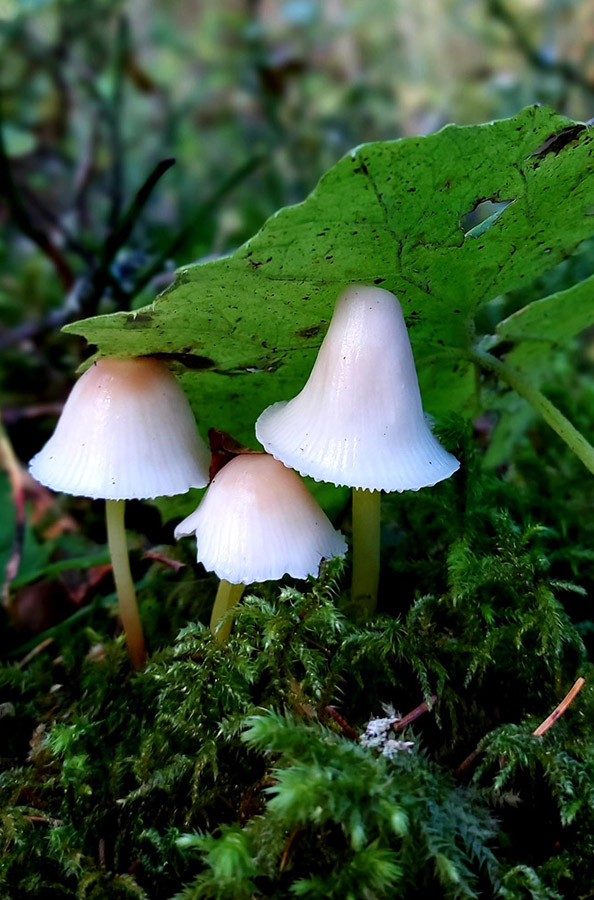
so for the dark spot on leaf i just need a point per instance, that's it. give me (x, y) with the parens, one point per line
(189, 360)
(378, 280)
(556, 142)
(138, 319)
(308, 332)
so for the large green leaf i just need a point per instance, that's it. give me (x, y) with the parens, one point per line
(245, 329)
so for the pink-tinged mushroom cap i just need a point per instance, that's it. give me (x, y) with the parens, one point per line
(359, 419)
(258, 522)
(126, 432)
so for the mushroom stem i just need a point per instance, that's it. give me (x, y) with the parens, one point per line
(366, 548)
(116, 538)
(228, 596)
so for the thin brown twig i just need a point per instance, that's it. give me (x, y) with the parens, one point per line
(538, 732)
(414, 714)
(344, 725)
(467, 763)
(559, 710)
(39, 648)
(43, 821)
(288, 848)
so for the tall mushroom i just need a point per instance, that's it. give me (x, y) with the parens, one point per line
(359, 421)
(258, 522)
(126, 432)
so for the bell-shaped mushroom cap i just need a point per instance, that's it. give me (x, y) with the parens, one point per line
(258, 522)
(359, 419)
(126, 432)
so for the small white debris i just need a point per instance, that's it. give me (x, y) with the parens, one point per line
(380, 735)
(392, 747)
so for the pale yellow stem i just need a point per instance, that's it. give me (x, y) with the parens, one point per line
(228, 596)
(366, 549)
(128, 607)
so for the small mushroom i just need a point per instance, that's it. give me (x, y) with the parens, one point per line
(257, 522)
(359, 421)
(126, 432)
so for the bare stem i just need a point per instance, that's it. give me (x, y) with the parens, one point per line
(116, 538)
(228, 596)
(516, 379)
(366, 548)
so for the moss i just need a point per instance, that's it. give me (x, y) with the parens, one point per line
(220, 772)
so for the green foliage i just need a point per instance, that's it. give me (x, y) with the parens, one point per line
(388, 213)
(182, 774)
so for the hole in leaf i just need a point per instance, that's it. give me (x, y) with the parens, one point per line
(484, 214)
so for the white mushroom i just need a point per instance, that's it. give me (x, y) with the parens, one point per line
(258, 522)
(126, 431)
(359, 420)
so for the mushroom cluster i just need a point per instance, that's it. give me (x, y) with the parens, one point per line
(127, 432)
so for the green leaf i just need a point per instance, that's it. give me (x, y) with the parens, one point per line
(246, 328)
(35, 567)
(553, 319)
(542, 326)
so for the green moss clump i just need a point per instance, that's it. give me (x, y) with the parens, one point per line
(222, 773)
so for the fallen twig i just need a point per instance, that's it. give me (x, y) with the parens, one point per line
(43, 821)
(538, 732)
(414, 714)
(467, 763)
(398, 725)
(34, 652)
(344, 725)
(559, 710)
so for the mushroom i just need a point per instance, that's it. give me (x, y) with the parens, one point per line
(126, 432)
(257, 522)
(359, 421)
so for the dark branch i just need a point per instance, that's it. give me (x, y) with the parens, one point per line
(24, 222)
(199, 218)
